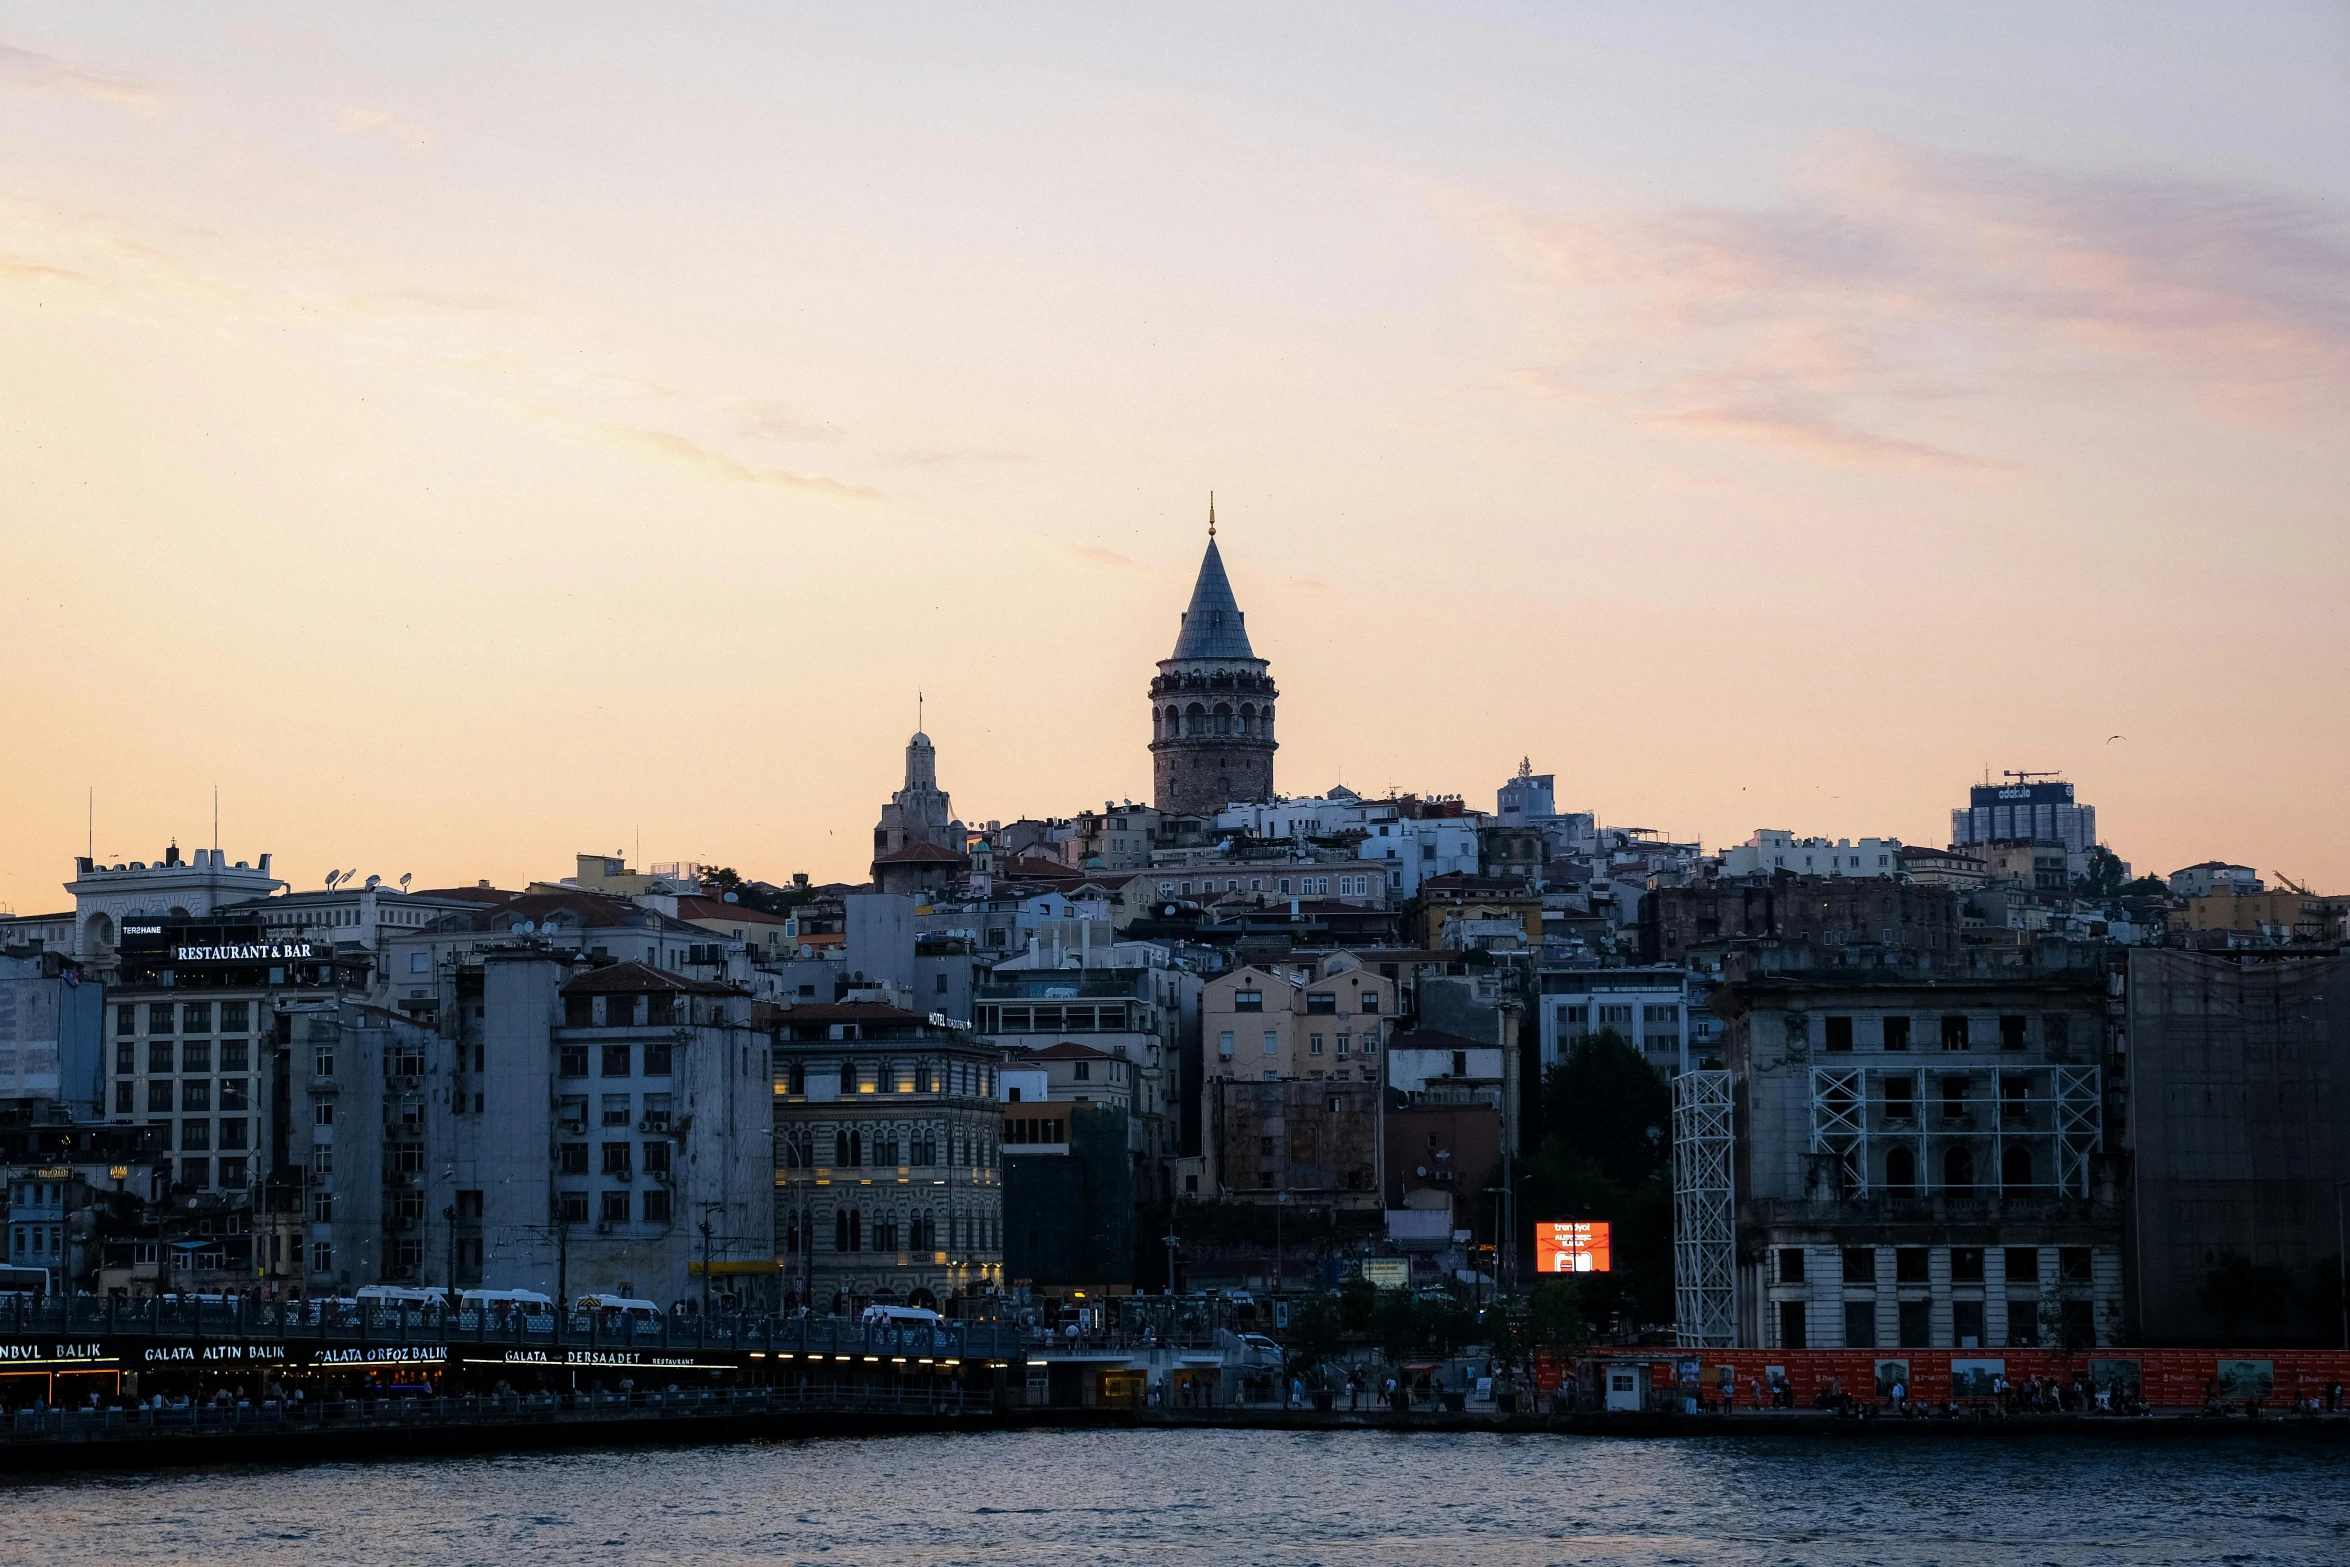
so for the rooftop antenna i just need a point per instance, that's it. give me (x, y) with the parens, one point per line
(91, 848)
(216, 821)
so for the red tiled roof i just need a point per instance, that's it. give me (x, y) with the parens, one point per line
(1066, 1050)
(691, 908)
(637, 979)
(919, 854)
(850, 1012)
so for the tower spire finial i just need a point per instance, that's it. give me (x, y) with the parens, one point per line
(1211, 514)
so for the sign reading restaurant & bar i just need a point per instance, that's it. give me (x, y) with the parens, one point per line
(247, 952)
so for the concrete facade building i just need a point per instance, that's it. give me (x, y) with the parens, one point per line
(1774, 849)
(1921, 1161)
(590, 1120)
(2032, 806)
(2230, 1114)
(1867, 916)
(174, 887)
(1659, 1011)
(2214, 876)
(889, 1138)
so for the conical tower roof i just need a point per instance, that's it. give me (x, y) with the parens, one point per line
(1213, 627)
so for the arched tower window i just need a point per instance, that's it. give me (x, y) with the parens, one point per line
(1248, 718)
(1195, 720)
(1223, 718)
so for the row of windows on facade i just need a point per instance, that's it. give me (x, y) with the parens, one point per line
(617, 1110)
(1272, 1043)
(400, 1158)
(616, 1060)
(1318, 1002)
(1958, 1031)
(908, 1075)
(619, 1159)
(1616, 1015)
(1897, 1095)
(657, 1010)
(1864, 1265)
(196, 1174)
(891, 1232)
(1199, 719)
(165, 1056)
(652, 1205)
(1357, 1179)
(236, 1135)
(193, 1093)
(36, 1240)
(857, 1147)
(1113, 1017)
(190, 1017)
(2019, 1170)
(1279, 886)
(2031, 1322)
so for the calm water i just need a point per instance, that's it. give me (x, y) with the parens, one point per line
(1358, 1498)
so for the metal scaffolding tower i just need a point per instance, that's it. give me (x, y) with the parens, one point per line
(1705, 1219)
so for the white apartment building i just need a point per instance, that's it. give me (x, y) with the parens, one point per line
(1775, 849)
(1404, 848)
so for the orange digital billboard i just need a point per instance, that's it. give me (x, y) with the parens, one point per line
(1571, 1246)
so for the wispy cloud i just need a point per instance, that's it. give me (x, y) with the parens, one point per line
(357, 121)
(1102, 557)
(23, 70)
(1896, 285)
(942, 457)
(1823, 438)
(680, 452)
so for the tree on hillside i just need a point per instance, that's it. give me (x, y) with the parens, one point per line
(1608, 1155)
(765, 898)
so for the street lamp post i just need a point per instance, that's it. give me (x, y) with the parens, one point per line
(2342, 1261)
(707, 1209)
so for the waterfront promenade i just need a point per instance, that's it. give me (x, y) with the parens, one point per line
(273, 1431)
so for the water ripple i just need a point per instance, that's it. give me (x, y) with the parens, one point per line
(1158, 1498)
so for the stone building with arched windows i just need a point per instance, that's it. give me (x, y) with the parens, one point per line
(1211, 706)
(888, 1158)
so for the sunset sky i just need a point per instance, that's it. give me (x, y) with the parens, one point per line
(471, 435)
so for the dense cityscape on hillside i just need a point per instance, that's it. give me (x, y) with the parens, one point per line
(1826, 1091)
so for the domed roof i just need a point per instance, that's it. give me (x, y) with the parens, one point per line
(1213, 626)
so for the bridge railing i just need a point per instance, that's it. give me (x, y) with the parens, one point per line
(190, 1319)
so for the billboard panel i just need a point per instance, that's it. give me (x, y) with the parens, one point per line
(1571, 1246)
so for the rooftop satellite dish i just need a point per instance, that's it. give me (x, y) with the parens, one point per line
(523, 927)
(733, 898)
(373, 882)
(332, 877)
(405, 878)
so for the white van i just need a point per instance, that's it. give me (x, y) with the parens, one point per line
(898, 1317)
(398, 1295)
(614, 1310)
(517, 1302)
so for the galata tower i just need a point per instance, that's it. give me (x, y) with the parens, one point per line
(1212, 704)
